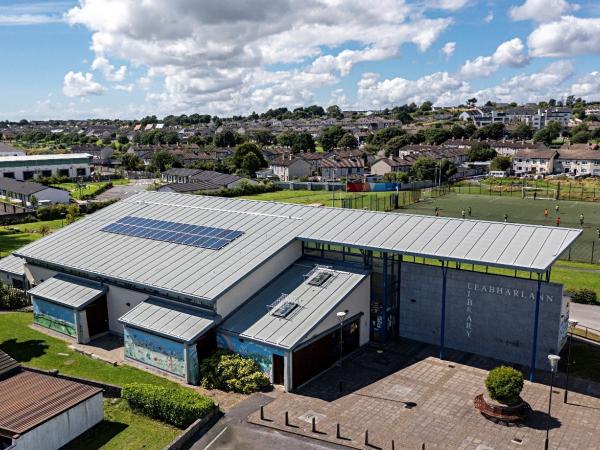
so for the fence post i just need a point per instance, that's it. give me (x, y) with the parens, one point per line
(569, 253)
(592, 258)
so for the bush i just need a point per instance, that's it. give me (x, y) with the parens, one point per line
(504, 384)
(584, 295)
(52, 212)
(11, 298)
(232, 373)
(243, 189)
(178, 407)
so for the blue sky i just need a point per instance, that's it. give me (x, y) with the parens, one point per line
(125, 58)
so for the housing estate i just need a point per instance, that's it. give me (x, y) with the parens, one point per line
(177, 275)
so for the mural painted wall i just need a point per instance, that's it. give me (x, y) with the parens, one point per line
(154, 351)
(262, 354)
(193, 366)
(55, 317)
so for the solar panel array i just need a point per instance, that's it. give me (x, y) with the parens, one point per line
(175, 232)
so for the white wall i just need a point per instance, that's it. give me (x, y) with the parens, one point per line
(117, 299)
(259, 278)
(358, 301)
(63, 428)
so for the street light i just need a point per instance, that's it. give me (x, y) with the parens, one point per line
(340, 316)
(553, 359)
(572, 324)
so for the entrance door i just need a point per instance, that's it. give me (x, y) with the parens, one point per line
(97, 317)
(278, 369)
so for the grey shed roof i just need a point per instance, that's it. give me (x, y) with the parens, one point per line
(169, 319)
(12, 264)
(255, 321)
(267, 228)
(68, 291)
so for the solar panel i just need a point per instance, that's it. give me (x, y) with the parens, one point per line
(175, 232)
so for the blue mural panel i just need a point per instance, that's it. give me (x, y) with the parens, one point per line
(55, 317)
(193, 367)
(154, 351)
(262, 354)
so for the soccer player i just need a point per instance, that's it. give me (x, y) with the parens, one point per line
(581, 219)
(505, 217)
(546, 212)
(557, 208)
(598, 232)
(558, 221)
(470, 211)
(463, 213)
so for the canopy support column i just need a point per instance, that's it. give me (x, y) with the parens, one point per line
(535, 328)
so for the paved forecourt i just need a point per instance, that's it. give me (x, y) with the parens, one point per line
(442, 415)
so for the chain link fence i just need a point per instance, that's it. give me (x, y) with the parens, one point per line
(583, 251)
(559, 190)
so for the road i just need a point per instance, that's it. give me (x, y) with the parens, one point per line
(232, 432)
(586, 315)
(123, 191)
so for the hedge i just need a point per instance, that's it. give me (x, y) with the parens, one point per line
(584, 295)
(178, 407)
(232, 373)
(244, 188)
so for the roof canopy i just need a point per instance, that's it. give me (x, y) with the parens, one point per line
(68, 291)
(169, 319)
(12, 264)
(267, 228)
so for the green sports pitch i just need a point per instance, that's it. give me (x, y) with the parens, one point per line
(519, 210)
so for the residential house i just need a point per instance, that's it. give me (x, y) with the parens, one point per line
(392, 164)
(534, 162)
(578, 160)
(335, 168)
(289, 167)
(100, 154)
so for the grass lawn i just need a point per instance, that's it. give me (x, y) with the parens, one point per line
(88, 188)
(123, 429)
(36, 349)
(28, 232)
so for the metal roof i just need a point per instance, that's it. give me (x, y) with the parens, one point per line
(68, 291)
(255, 319)
(7, 365)
(169, 319)
(270, 226)
(58, 157)
(12, 264)
(29, 399)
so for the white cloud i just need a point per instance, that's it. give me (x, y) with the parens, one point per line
(108, 70)
(510, 53)
(124, 87)
(448, 49)
(217, 54)
(568, 36)
(587, 86)
(489, 17)
(77, 84)
(33, 13)
(449, 5)
(541, 10)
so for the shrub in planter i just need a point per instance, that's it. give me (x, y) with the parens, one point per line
(179, 407)
(585, 296)
(504, 384)
(232, 372)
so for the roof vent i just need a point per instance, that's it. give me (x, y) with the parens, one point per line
(320, 278)
(284, 309)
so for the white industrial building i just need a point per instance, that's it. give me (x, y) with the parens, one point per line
(177, 275)
(24, 192)
(27, 167)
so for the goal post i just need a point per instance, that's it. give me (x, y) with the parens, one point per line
(539, 193)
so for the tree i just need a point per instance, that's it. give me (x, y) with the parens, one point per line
(242, 150)
(424, 169)
(162, 160)
(522, 131)
(481, 152)
(458, 132)
(381, 137)
(123, 139)
(437, 135)
(250, 164)
(396, 143)
(303, 142)
(426, 106)
(582, 137)
(403, 116)
(493, 131)
(131, 161)
(548, 133)
(330, 136)
(225, 138)
(263, 137)
(335, 112)
(472, 102)
(470, 129)
(396, 177)
(348, 141)
(73, 212)
(287, 138)
(501, 162)
(34, 201)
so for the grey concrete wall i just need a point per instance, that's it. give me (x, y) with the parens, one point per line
(490, 315)
(62, 429)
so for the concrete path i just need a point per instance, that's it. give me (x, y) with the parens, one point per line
(123, 191)
(586, 315)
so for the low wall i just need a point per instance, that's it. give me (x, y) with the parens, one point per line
(205, 422)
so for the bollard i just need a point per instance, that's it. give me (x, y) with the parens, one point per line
(314, 425)
(367, 437)
(287, 419)
(423, 446)
(262, 412)
(338, 435)
(393, 445)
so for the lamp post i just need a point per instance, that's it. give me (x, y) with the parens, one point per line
(572, 324)
(340, 316)
(553, 359)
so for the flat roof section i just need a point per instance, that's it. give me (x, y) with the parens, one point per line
(168, 319)
(68, 291)
(12, 264)
(284, 321)
(29, 399)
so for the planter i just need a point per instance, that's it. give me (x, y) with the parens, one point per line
(504, 413)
